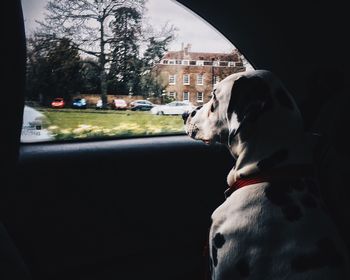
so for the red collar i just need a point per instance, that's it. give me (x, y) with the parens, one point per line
(279, 174)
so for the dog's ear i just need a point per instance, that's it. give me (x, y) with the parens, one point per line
(250, 97)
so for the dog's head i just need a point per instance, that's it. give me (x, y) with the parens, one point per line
(238, 101)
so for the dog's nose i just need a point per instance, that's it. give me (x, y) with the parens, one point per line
(185, 116)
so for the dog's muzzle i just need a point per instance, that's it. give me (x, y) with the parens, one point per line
(192, 130)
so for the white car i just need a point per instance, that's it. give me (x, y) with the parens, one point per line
(172, 108)
(32, 127)
(99, 104)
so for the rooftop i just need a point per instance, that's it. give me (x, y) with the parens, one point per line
(186, 54)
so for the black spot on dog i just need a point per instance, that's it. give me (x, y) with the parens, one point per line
(212, 108)
(193, 133)
(219, 123)
(193, 113)
(279, 194)
(232, 135)
(309, 201)
(224, 136)
(214, 255)
(242, 267)
(273, 160)
(283, 98)
(219, 240)
(250, 97)
(325, 255)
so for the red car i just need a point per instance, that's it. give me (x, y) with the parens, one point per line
(58, 103)
(119, 104)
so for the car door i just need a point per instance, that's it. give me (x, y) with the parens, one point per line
(99, 209)
(179, 108)
(170, 109)
(136, 208)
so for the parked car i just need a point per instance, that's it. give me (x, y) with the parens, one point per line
(172, 108)
(58, 103)
(119, 104)
(33, 129)
(141, 105)
(79, 103)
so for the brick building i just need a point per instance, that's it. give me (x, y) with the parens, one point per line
(190, 76)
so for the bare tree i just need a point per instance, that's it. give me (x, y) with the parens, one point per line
(87, 24)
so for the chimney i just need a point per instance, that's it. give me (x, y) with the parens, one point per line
(187, 49)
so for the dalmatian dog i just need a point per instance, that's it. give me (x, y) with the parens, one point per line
(273, 223)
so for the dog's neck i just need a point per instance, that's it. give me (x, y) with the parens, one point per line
(267, 149)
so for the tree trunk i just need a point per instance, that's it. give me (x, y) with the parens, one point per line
(103, 88)
(103, 75)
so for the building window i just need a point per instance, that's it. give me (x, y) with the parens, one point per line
(186, 96)
(200, 62)
(199, 79)
(178, 62)
(216, 63)
(193, 62)
(165, 61)
(172, 61)
(216, 79)
(185, 62)
(172, 95)
(207, 63)
(199, 96)
(231, 64)
(186, 79)
(172, 79)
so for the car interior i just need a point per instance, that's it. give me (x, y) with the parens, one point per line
(143, 211)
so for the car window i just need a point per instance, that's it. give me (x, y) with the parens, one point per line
(82, 84)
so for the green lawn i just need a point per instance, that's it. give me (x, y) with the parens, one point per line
(74, 123)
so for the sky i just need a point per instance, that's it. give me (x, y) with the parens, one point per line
(201, 35)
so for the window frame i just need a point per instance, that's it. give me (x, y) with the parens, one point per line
(184, 77)
(172, 76)
(186, 93)
(200, 100)
(172, 94)
(200, 79)
(216, 79)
